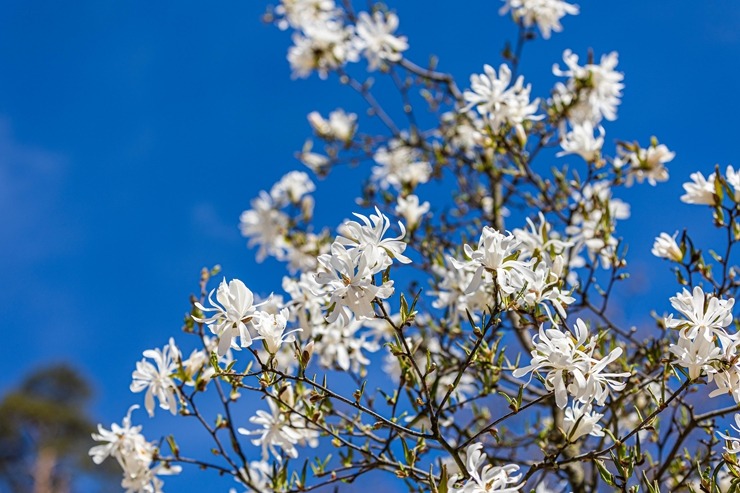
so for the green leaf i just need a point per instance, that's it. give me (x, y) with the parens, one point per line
(604, 472)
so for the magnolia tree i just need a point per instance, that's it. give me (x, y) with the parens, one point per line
(486, 310)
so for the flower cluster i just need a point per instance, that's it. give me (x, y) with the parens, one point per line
(400, 166)
(340, 125)
(501, 104)
(135, 455)
(282, 428)
(358, 254)
(235, 314)
(481, 292)
(324, 40)
(644, 164)
(592, 91)
(545, 13)
(712, 190)
(595, 215)
(568, 365)
(704, 346)
(273, 222)
(523, 269)
(484, 477)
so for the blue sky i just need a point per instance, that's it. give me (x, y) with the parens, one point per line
(132, 135)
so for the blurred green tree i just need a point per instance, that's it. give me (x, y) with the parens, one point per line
(45, 431)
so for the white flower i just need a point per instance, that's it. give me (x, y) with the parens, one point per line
(157, 380)
(317, 163)
(570, 366)
(340, 126)
(291, 189)
(732, 444)
(733, 179)
(485, 478)
(340, 344)
(597, 88)
(271, 329)
(665, 246)
(299, 13)
(645, 164)
(234, 310)
(411, 210)
(546, 13)
(499, 103)
(143, 479)
(307, 300)
(123, 442)
(582, 141)
(350, 282)
(366, 239)
(282, 428)
(594, 221)
(197, 367)
(265, 226)
(701, 312)
(400, 165)
(375, 38)
(699, 190)
(496, 253)
(324, 45)
(453, 294)
(133, 453)
(540, 285)
(258, 475)
(696, 354)
(580, 420)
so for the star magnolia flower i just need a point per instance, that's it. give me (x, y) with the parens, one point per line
(699, 190)
(339, 344)
(733, 179)
(350, 282)
(400, 165)
(701, 312)
(124, 442)
(582, 141)
(299, 13)
(340, 126)
(291, 188)
(540, 285)
(134, 454)
(696, 354)
(485, 478)
(282, 428)
(375, 38)
(499, 103)
(665, 246)
(265, 226)
(546, 13)
(271, 329)
(726, 371)
(601, 95)
(366, 239)
(157, 380)
(570, 366)
(732, 445)
(579, 420)
(323, 45)
(497, 253)
(411, 210)
(232, 313)
(645, 164)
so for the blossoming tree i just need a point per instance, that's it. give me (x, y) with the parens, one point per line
(486, 309)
